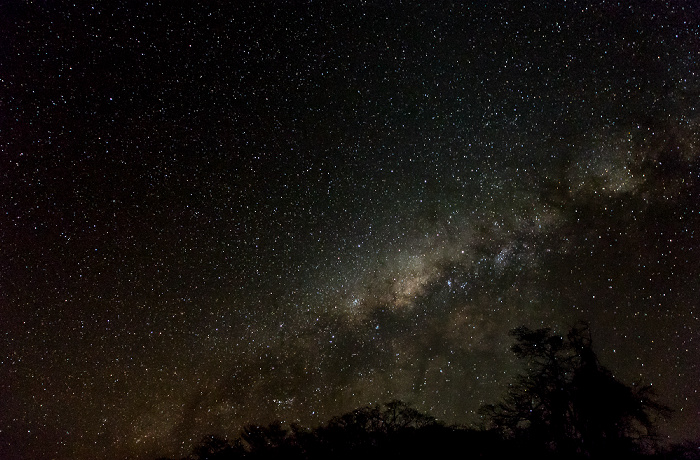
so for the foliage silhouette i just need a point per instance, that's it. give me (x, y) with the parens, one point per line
(568, 403)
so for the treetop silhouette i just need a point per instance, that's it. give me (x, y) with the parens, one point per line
(565, 405)
(568, 403)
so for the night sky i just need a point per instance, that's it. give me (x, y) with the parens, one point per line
(239, 212)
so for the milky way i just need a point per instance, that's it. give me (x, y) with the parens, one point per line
(233, 214)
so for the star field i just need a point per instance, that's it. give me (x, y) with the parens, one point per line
(246, 212)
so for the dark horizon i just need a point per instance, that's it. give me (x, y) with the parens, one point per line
(243, 212)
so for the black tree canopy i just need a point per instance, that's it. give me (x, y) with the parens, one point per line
(567, 402)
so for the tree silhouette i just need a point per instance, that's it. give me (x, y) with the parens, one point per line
(568, 403)
(372, 431)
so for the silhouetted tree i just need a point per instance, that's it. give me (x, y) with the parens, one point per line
(272, 441)
(371, 432)
(600, 419)
(398, 415)
(568, 403)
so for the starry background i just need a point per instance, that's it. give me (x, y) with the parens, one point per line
(240, 212)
